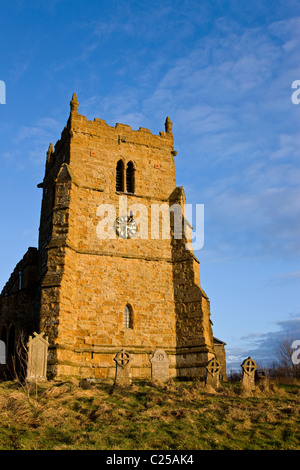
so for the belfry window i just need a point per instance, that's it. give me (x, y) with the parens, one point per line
(120, 176)
(127, 317)
(125, 180)
(130, 178)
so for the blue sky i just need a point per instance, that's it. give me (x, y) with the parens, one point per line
(223, 72)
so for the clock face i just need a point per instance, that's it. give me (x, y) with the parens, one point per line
(125, 227)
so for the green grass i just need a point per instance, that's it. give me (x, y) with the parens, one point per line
(176, 416)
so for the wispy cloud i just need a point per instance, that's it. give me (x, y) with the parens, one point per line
(229, 99)
(263, 347)
(35, 138)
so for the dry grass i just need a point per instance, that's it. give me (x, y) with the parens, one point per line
(176, 416)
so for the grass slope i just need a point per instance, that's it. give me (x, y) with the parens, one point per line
(176, 416)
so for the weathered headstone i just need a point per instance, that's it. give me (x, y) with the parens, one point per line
(212, 373)
(37, 358)
(248, 380)
(123, 373)
(2, 352)
(159, 366)
(262, 380)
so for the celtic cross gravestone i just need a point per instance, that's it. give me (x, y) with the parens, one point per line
(212, 373)
(248, 380)
(123, 373)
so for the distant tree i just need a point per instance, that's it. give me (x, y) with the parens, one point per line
(234, 376)
(284, 366)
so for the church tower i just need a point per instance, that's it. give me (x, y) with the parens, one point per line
(112, 277)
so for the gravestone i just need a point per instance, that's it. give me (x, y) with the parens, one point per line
(123, 373)
(262, 380)
(248, 380)
(2, 352)
(159, 366)
(37, 358)
(212, 373)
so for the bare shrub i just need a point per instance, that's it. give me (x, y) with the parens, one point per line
(284, 368)
(234, 376)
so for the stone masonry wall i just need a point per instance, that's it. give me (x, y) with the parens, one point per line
(88, 280)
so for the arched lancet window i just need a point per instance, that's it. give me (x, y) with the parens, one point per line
(20, 280)
(120, 176)
(130, 178)
(127, 317)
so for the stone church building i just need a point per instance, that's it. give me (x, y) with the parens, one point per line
(95, 295)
